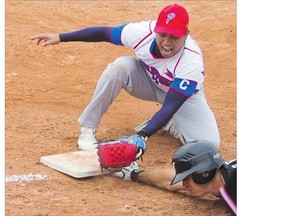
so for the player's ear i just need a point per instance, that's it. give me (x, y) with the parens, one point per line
(186, 34)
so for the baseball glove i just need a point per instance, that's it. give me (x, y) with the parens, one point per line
(120, 153)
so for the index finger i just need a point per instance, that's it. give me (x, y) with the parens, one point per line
(39, 36)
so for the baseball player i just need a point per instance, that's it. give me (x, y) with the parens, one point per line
(168, 69)
(201, 169)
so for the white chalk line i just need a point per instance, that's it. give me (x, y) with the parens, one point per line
(26, 178)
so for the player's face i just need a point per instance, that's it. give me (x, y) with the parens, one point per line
(194, 189)
(169, 45)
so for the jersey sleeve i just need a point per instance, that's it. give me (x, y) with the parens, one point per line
(115, 34)
(184, 87)
(189, 80)
(189, 73)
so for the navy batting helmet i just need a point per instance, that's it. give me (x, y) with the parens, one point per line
(200, 159)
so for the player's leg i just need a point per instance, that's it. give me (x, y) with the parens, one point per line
(141, 86)
(193, 121)
(124, 73)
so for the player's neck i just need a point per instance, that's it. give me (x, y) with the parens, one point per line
(156, 51)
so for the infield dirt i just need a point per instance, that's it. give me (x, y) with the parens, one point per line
(48, 88)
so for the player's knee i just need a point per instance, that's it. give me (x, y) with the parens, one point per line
(120, 66)
(216, 142)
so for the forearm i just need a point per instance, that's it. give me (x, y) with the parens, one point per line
(160, 178)
(91, 34)
(173, 101)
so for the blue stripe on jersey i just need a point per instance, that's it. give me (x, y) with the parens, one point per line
(184, 86)
(115, 34)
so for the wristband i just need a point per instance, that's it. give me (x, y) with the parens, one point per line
(134, 175)
(143, 134)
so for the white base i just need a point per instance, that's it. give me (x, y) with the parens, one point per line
(79, 164)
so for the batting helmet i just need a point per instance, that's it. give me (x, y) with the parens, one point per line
(200, 159)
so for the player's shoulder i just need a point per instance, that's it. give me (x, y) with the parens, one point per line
(191, 57)
(191, 47)
(231, 164)
(146, 25)
(135, 33)
(229, 170)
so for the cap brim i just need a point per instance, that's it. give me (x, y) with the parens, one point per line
(169, 31)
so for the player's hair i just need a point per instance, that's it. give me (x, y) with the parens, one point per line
(199, 159)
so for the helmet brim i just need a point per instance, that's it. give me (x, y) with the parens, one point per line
(181, 176)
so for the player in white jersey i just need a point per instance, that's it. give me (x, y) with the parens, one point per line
(168, 69)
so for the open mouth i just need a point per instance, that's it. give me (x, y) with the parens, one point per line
(166, 50)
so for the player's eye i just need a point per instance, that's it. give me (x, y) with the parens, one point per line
(174, 37)
(162, 35)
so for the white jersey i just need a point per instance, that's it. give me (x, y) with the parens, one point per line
(181, 76)
(186, 65)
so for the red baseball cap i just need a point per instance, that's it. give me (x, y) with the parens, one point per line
(172, 20)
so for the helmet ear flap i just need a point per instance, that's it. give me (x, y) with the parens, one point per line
(204, 177)
(205, 174)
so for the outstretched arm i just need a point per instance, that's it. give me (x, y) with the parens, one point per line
(160, 178)
(157, 177)
(175, 98)
(91, 34)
